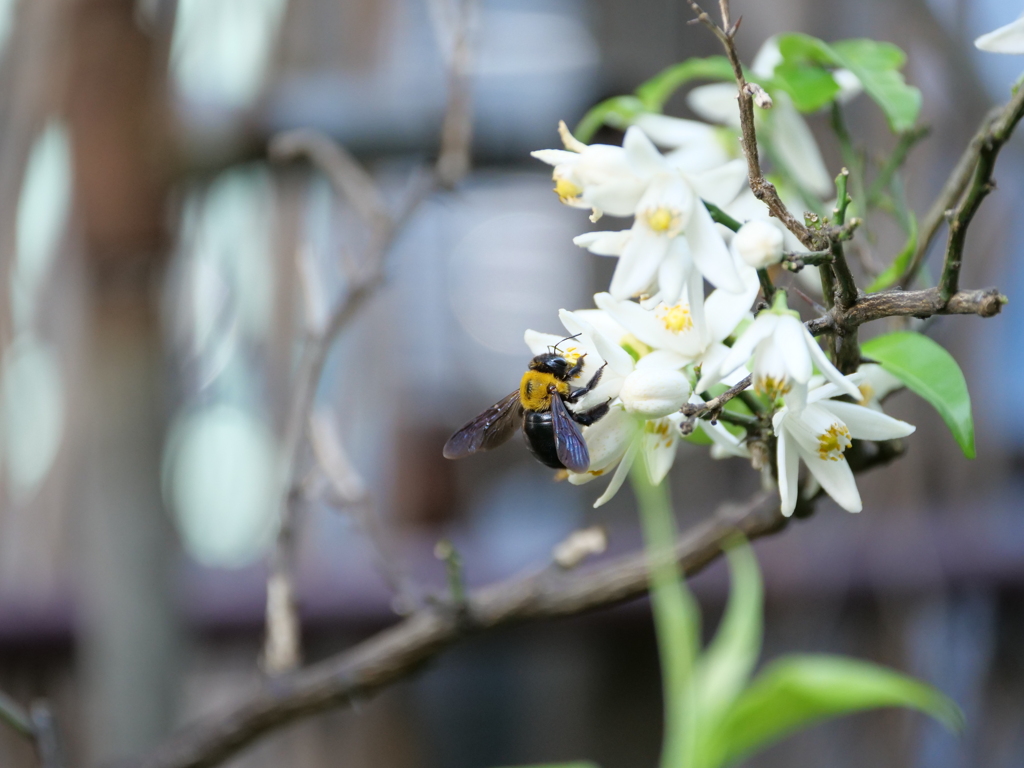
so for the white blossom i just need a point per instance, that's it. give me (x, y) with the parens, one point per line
(784, 355)
(819, 434)
(1006, 39)
(603, 177)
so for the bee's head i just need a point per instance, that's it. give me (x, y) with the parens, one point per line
(551, 362)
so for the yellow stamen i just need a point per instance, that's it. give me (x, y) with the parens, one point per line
(676, 319)
(572, 354)
(566, 190)
(662, 219)
(867, 392)
(771, 387)
(833, 441)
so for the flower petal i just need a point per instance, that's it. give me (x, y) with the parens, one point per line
(639, 262)
(674, 131)
(620, 474)
(1006, 39)
(642, 155)
(762, 327)
(835, 477)
(539, 342)
(790, 339)
(796, 148)
(660, 444)
(604, 243)
(721, 185)
(715, 103)
(617, 358)
(829, 371)
(789, 472)
(867, 423)
(608, 439)
(555, 156)
(710, 253)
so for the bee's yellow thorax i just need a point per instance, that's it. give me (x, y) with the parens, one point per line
(533, 390)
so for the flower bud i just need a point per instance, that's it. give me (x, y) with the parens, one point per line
(759, 243)
(653, 393)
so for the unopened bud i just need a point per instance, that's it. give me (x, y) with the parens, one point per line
(759, 243)
(652, 394)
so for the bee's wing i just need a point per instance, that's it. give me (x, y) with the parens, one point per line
(488, 430)
(570, 447)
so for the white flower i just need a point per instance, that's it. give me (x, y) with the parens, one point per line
(603, 177)
(759, 244)
(686, 328)
(875, 384)
(784, 355)
(1006, 39)
(672, 225)
(819, 434)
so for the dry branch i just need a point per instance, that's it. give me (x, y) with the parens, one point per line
(398, 651)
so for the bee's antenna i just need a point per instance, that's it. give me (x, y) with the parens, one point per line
(575, 335)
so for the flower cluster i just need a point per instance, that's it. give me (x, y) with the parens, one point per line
(676, 324)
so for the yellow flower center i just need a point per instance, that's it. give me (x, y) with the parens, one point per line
(771, 387)
(662, 219)
(867, 392)
(677, 318)
(833, 441)
(566, 190)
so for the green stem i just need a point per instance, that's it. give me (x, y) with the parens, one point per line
(676, 618)
(721, 217)
(767, 286)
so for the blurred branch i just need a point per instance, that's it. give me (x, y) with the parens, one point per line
(37, 726)
(403, 648)
(282, 646)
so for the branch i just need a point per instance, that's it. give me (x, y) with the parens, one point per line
(403, 648)
(36, 726)
(714, 406)
(986, 302)
(763, 189)
(957, 182)
(981, 184)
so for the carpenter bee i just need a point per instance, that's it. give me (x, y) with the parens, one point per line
(539, 405)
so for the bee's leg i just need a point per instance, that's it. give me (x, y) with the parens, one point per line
(588, 417)
(575, 395)
(576, 369)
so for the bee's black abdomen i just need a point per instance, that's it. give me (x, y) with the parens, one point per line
(539, 434)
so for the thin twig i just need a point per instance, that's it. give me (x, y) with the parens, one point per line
(951, 192)
(763, 189)
(713, 407)
(16, 717)
(48, 746)
(907, 141)
(282, 647)
(981, 184)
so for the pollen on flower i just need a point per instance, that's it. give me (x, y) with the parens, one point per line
(662, 219)
(596, 472)
(771, 387)
(566, 190)
(572, 354)
(676, 318)
(833, 441)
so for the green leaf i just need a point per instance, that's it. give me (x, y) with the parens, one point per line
(655, 92)
(875, 64)
(730, 658)
(811, 87)
(798, 691)
(618, 112)
(930, 371)
(902, 261)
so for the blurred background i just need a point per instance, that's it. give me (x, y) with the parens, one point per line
(155, 264)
